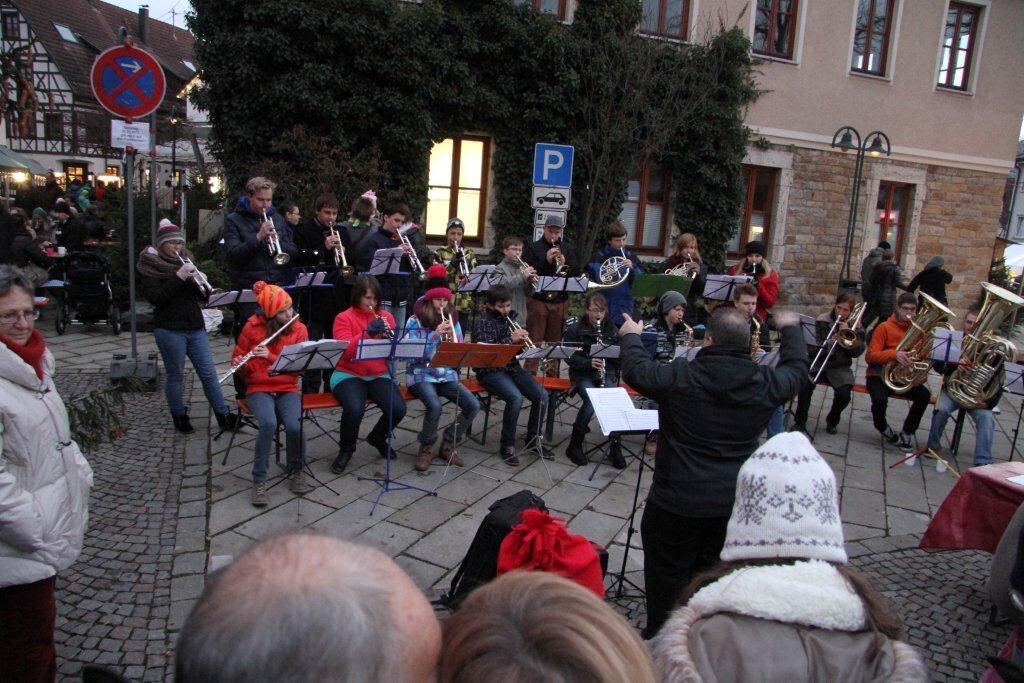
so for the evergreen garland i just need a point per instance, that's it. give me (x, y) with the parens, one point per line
(98, 416)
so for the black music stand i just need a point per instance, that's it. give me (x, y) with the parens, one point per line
(479, 281)
(238, 296)
(720, 287)
(618, 417)
(387, 262)
(1014, 384)
(458, 355)
(298, 358)
(390, 350)
(561, 285)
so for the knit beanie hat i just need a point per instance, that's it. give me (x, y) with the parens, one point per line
(271, 298)
(670, 300)
(169, 232)
(163, 222)
(786, 505)
(755, 247)
(936, 262)
(61, 206)
(437, 276)
(38, 212)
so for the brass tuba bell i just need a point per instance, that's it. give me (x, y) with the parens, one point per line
(983, 350)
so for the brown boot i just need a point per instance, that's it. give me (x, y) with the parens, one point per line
(424, 457)
(449, 454)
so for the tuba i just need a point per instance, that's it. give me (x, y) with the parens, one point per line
(613, 272)
(918, 343)
(984, 350)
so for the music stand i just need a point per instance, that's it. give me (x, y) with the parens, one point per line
(720, 287)
(656, 284)
(298, 358)
(617, 417)
(387, 262)
(479, 281)
(239, 296)
(1014, 384)
(687, 352)
(458, 355)
(390, 350)
(556, 284)
(809, 327)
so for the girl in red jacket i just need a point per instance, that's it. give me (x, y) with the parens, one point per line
(272, 398)
(354, 380)
(766, 279)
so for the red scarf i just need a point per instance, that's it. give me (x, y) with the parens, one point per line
(32, 352)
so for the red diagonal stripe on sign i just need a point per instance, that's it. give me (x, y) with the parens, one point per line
(128, 82)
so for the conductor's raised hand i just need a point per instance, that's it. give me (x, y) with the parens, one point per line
(630, 326)
(786, 318)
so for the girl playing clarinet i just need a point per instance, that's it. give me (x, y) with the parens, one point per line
(272, 398)
(436, 323)
(355, 380)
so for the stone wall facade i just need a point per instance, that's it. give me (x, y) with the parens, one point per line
(953, 212)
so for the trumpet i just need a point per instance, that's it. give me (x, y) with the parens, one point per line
(417, 266)
(205, 288)
(274, 245)
(446, 317)
(252, 352)
(340, 262)
(561, 267)
(513, 326)
(460, 256)
(527, 270)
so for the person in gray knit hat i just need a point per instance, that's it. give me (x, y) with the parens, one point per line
(662, 336)
(784, 589)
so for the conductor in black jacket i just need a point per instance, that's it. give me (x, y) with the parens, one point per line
(711, 411)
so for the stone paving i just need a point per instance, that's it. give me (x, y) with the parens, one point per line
(167, 510)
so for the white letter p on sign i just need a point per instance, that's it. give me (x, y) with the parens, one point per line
(553, 160)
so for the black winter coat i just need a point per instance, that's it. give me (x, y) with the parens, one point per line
(535, 254)
(711, 412)
(886, 278)
(839, 370)
(394, 288)
(583, 333)
(249, 259)
(932, 282)
(177, 303)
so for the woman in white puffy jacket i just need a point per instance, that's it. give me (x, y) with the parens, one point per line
(44, 488)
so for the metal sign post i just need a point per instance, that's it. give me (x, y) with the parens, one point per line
(129, 172)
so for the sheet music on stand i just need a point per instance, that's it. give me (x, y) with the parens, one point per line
(601, 350)
(768, 359)
(616, 413)
(314, 279)
(553, 283)
(1014, 381)
(387, 262)
(687, 352)
(719, 287)
(240, 296)
(477, 282)
(946, 345)
(809, 326)
(377, 349)
(541, 352)
(485, 268)
(309, 355)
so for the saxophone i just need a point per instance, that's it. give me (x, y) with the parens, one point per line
(755, 339)
(985, 352)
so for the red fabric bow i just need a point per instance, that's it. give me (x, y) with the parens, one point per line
(543, 543)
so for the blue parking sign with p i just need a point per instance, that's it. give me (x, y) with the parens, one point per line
(552, 165)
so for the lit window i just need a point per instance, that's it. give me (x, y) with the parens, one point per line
(65, 33)
(645, 210)
(871, 38)
(756, 221)
(891, 214)
(457, 185)
(665, 18)
(958, 42)
(774, 26)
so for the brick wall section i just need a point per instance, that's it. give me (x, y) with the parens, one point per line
(959, 220)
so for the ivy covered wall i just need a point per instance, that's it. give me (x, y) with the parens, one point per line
(371, 84)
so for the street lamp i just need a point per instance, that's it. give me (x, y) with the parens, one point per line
(873, 144)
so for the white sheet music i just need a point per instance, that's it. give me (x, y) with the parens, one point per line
(477, 282)
(616, 413)
(1014, 378)
(809, 326)
(553, 283)
(293, 357)
(387, 261)
(717, 287)
(688, 352)
(228, 298)
(946, 345)
(599, 350)
(769, 359)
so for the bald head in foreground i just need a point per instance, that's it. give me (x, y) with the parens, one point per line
(309, 608)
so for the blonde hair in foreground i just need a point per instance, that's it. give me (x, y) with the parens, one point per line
(535, 626)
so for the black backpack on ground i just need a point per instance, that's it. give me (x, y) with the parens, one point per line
(481, 562)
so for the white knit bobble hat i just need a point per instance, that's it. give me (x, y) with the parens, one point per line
(786, 505)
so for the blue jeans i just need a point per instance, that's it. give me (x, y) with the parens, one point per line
(776, 423)
(174, 345)
(430, 393)
(583, 417)
(513, 385)
(352, 394)
(269, 409)
(984, 424)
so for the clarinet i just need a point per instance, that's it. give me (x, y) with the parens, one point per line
(601, 368)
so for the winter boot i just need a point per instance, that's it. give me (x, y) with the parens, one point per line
(574, 451)
(182, 424)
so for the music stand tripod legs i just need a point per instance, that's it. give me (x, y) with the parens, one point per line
(620, 580)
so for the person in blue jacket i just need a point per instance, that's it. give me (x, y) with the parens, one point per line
(620, 299)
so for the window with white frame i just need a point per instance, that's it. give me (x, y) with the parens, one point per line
(959, 41)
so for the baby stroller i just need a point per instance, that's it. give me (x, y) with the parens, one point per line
(87, 298)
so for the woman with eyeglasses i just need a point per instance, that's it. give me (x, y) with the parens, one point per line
(44, 488)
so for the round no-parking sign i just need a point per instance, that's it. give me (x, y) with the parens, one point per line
(128, 82)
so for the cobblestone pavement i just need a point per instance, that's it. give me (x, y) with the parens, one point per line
(168, 509)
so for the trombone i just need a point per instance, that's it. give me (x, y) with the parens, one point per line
(340, 262)
(414, 259)
(845, 338)
(274, 245)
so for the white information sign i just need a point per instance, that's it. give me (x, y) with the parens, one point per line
(549, 197)
(124, 134)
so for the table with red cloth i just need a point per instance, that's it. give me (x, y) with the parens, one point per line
(977, 510)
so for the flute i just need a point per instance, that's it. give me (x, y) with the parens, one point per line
(249, 356)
